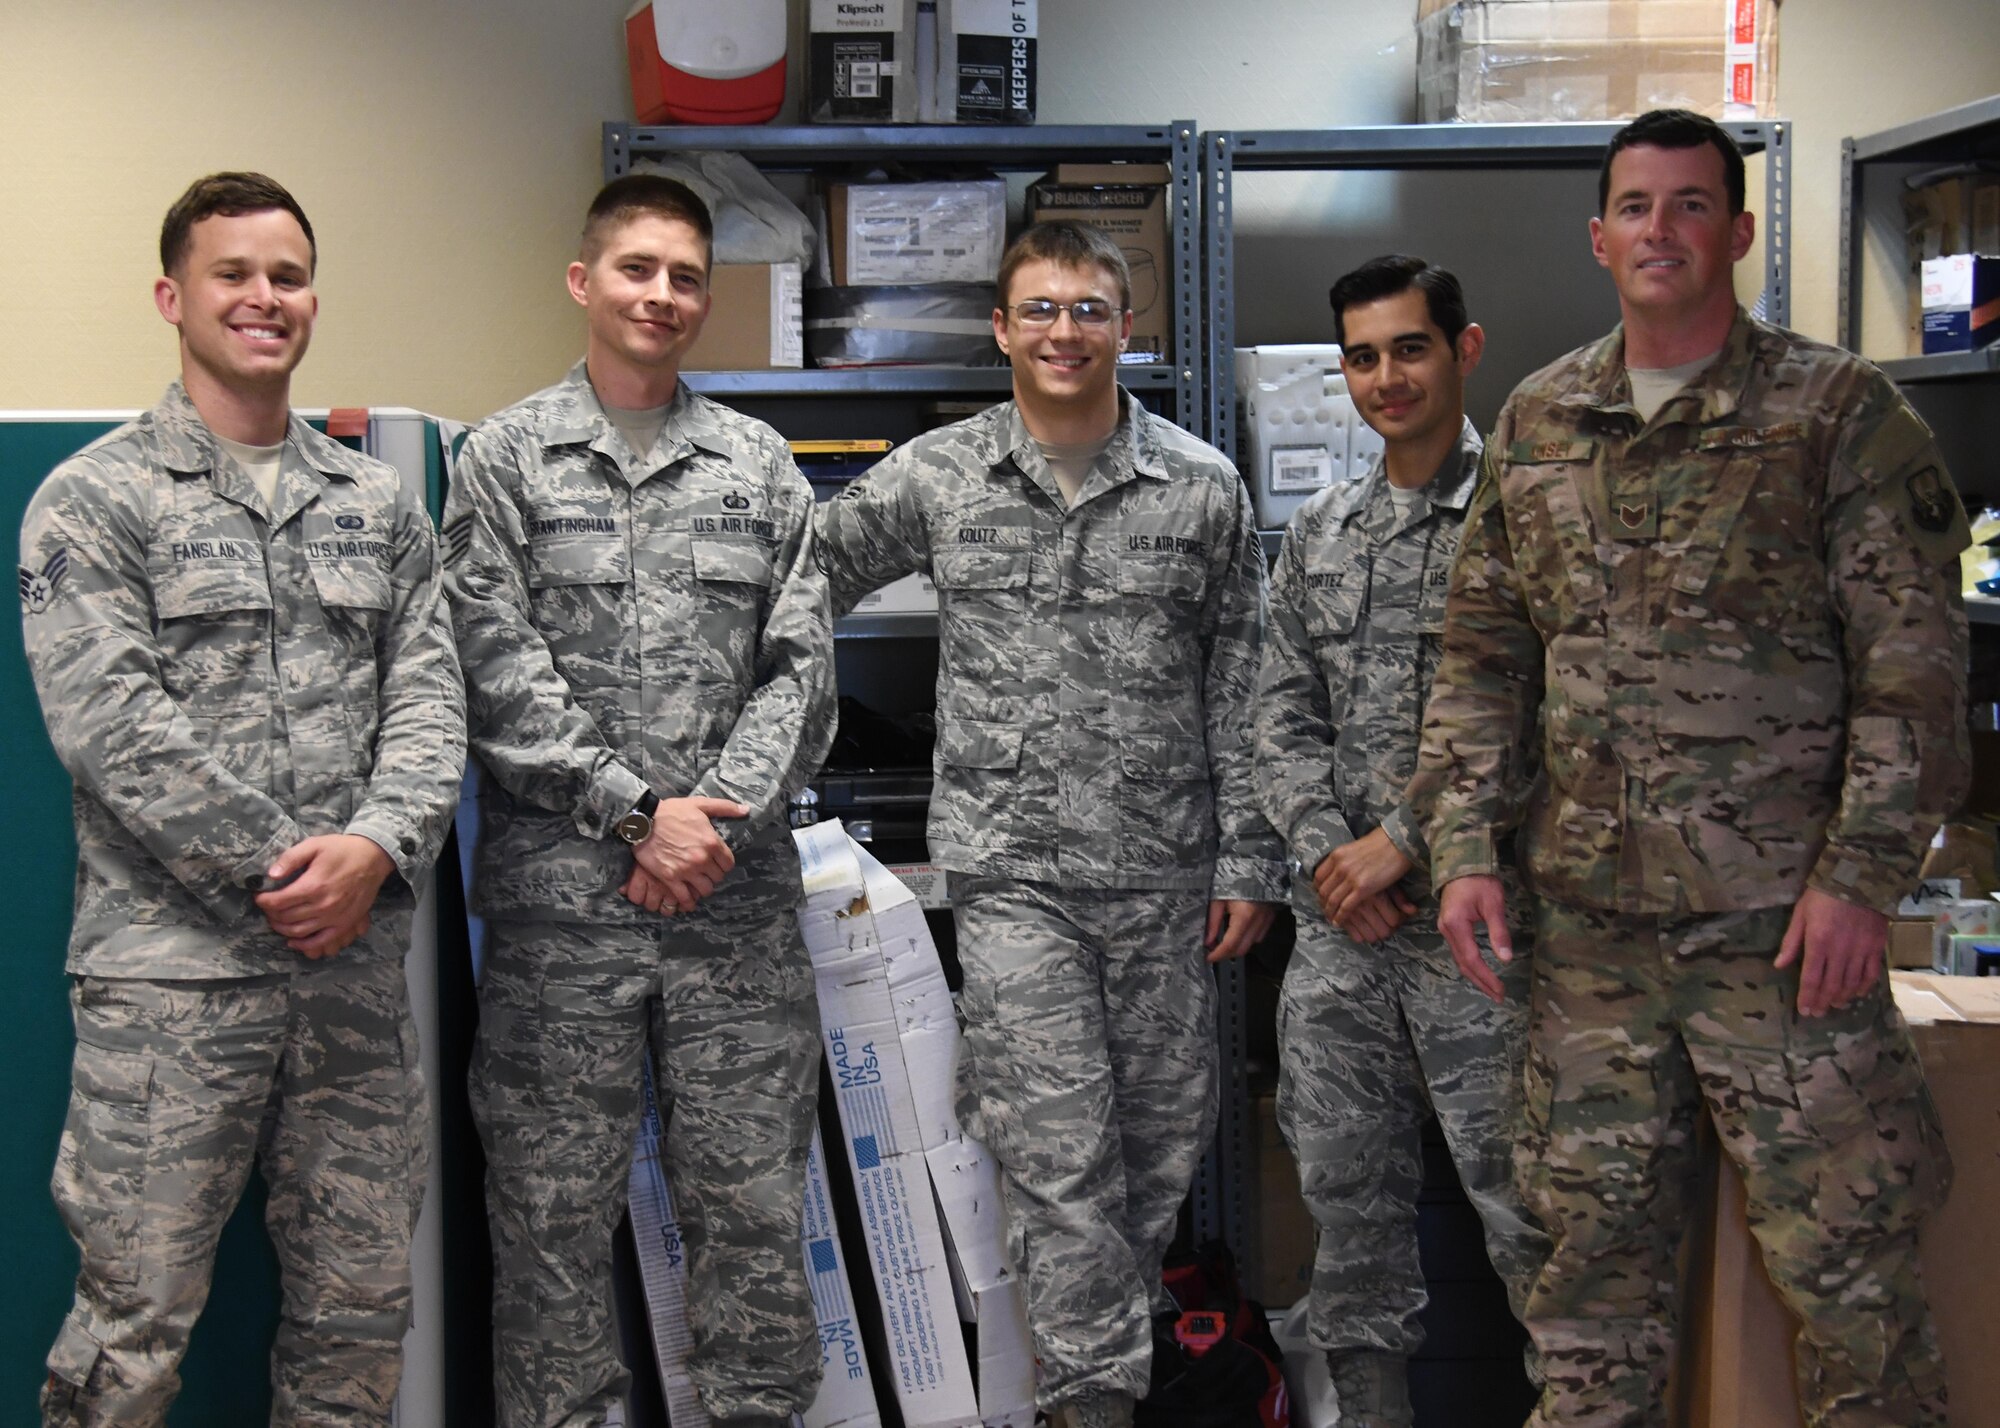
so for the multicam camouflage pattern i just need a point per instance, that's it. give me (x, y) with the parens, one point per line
(1096, 663)
(1373, 1038)
(556, 1095)
(222, 680)
(1739, 626)
(629, 624)
(1748, 610)
(1088, 1069)
(173, 1098)
(1827, 1117)
(1357, 614)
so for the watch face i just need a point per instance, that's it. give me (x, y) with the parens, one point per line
(634, 827)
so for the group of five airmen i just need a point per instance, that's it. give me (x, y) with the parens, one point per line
(1664, 681)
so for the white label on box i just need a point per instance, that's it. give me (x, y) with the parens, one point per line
(1300, 468)
(913, 594)
(924, 233)
(857, 15)
(1948, 282)
(927, 881)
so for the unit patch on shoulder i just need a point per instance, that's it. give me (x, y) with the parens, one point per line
(1930, 503)
(38, 587)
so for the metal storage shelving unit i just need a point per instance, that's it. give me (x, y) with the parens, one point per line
(1178, 385)
(1971, 131)
(1221, 1202)
(1435, 146)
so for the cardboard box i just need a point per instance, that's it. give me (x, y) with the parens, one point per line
(896, 233)
(1910, 942)
(1513, 61)
(1287, 1238)
(846, 1397)
(928, 1197)
(985, 63)
(1128, 202)
(756, 319)
(911, 595)
(1742, 1359)
(861, 61)
(1961, 302)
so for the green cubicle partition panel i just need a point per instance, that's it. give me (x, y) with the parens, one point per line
(225, 1377)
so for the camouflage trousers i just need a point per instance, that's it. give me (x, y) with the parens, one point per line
(1640, 1021)
(1087, 1068)
(1371, 1039)
(565, 1013)
(177, 1088)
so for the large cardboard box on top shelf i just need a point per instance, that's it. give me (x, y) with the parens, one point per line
(1128, 202)
(1516, 61)
(756, 321)
(891, 233)
(1742, 1355)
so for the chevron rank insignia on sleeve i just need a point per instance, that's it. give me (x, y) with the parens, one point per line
(38, 588)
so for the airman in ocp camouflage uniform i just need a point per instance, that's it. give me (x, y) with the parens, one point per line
(1375, 1026)
(650, 666)
(1734, 603)
(237, 632)
(1100, 603)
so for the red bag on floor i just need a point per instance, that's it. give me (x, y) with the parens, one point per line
(1216, 1364)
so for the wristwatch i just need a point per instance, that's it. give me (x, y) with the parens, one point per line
(637, 826)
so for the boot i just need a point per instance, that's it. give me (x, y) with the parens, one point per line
(1372, 1388)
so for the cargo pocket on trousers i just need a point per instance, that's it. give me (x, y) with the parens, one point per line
(1531, 1152)
(71, 1361)
(102, 1166)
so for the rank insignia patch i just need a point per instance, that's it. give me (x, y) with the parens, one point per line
(1929, 506)
(38, 588)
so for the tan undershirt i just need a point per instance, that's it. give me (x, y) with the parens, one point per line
(641, 428)
(1652, 387)
(260, 463)
(1071, 462)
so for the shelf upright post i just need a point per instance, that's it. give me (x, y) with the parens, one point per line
(1187, 355)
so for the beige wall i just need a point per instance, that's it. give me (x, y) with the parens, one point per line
(446, 148)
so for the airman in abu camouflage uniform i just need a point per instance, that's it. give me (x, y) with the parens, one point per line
(238, 635)
(650, 671)
(1375, 1026)
(1719, 561)
(1100, 603)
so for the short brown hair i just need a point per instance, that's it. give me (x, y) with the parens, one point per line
(227, 195)
(1067, 244)
(624, 199)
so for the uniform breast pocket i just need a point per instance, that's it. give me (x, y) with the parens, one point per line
(731, 581)
(1180, 578)
(1555, 549)
(355, 592)
(212, 618)
(1754, 558)
(982, 602)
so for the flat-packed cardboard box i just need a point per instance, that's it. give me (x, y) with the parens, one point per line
(846, 1397)
(1515, 61)
(1742, 1358)
(1287, 1239)
(1128, 202)
(756, 319)
(929, 1198)
(894, 233)
(861, 61)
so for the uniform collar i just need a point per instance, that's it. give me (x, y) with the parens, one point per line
(1602, 383)
(1450, 489)
(577, 418)
(188, 449)
(1135, 445)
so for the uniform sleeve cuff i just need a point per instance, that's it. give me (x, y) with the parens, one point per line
(1399, 829)
(252, 875)
(405, 849)
(1249, 880)
(1318, 834)
(1467, 856)
(614, 792)
(1857, 878)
